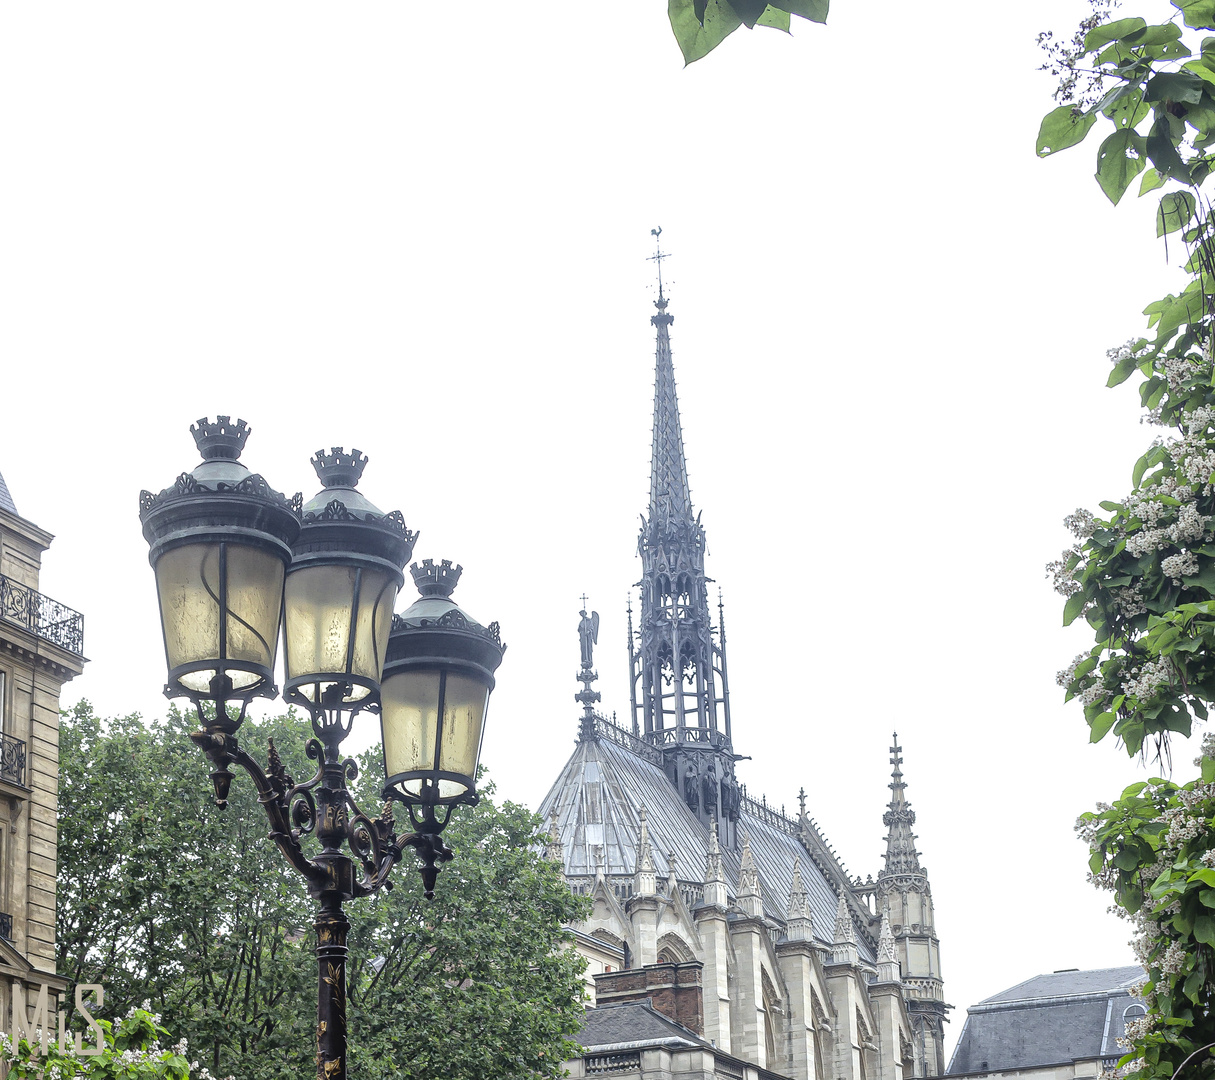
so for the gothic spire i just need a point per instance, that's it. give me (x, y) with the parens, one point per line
(901, 855)
(679, 692)
(670, 496)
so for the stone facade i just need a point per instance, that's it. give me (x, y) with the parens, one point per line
(41, 644)
(725, 938)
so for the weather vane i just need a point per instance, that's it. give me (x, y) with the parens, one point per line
(658, 256)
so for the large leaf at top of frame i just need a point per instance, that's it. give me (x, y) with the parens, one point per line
(814, 10)
(1199, 14)
(697, 40)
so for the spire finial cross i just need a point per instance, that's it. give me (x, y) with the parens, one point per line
(658, 256)
(583, 598)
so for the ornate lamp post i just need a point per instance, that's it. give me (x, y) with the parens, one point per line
(234, 560)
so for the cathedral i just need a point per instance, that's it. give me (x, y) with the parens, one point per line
(726, 938)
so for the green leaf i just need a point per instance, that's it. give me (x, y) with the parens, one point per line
(775, 18)
(1073, 607)
(1204, 929)
(1100, 727)
(1119, 161)
(1122, 372)
(1151, 178)
(814, 10)
(1193, 983)
(1199, 14)
(1175, 211)
(750, 11)
(1161, 147)
(1061, 128)
(1113, 31)
(1180, 86)
(1207, 877)
(697, 41)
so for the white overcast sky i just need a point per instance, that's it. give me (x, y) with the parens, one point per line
(422, 229)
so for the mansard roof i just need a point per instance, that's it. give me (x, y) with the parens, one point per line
(6, 500)
(598, 797)
(1050, 1019)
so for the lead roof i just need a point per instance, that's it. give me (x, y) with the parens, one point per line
(598, 796)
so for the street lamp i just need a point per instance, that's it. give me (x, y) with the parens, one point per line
(234, 560)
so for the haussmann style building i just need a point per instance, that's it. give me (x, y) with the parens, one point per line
(726, 938)
(41, 648)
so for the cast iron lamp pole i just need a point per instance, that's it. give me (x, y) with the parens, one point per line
(234, 560)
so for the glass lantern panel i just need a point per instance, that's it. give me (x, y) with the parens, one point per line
(255, 602)
(377, 596)
(409, 712)
(317, 619)
(187, 582)
(464, 705)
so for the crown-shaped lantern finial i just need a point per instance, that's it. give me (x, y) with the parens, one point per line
(338, 468)
(434, 580)
(220, 438)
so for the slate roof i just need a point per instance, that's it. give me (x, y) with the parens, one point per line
(1050, 1019)
(598, 796)
(6, 500)
(631, 1022)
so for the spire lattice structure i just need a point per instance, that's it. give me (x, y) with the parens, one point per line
(679, 691)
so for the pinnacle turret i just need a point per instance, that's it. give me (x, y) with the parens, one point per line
(901, 855)
(887, 957)
(645, 881)
(844, 949)
(715, 877)
(750, 899)
(798, 925)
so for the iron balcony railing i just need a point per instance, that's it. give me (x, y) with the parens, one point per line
(47, 618)
(12, 761)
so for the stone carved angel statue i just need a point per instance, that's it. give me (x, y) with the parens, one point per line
(588, 636)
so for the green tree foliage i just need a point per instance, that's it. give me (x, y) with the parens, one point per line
(1154, 849)
(164, 897)
(1142, 572)
(701, 25)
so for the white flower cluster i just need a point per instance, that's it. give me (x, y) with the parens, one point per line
(1064, 678)
(1137, 1028)
(1093, 694)
(1208, 748)
(1189, 527)
(1192, 453)
(1173, 960)
(1061, 576)
(1129, 600)
(1178, 369)
(1151, 676)
(1081, 523)
(1178, 566)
